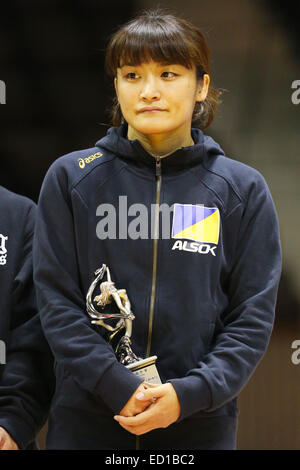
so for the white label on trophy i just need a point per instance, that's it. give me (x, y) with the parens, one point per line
(146, 369)
(148, 374)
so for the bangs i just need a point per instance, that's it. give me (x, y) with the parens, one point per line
(140, 43)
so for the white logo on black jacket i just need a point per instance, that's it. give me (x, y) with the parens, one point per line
(3, 250)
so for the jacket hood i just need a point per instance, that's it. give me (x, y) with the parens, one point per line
(116, 141)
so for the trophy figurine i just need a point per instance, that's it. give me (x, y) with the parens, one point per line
(119, 335)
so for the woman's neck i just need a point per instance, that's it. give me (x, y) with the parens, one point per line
(160, 144)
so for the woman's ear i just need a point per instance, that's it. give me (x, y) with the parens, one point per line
(203, 88)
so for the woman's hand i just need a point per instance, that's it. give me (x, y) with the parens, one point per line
(6, 441)
(135, 406)
(163, 410)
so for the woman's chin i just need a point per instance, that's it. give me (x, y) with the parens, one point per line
(153, 128)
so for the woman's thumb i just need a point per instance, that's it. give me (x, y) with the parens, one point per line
(149, 393)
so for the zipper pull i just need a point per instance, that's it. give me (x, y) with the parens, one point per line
(158, 166)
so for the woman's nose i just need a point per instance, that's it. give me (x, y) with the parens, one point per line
(150, 90)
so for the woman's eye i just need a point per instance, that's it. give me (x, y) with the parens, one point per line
(168, 74)
(131, 75)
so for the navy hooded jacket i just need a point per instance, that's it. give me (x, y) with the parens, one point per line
(26, 373)
(202, 288)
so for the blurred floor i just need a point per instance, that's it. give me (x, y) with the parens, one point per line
(269, 405)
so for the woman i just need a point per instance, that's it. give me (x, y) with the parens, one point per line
(202, 284)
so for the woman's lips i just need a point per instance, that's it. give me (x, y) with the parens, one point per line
(150, 110)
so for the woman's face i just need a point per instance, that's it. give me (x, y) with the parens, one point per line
(157, 98)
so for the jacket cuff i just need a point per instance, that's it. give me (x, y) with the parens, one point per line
(193, 394)
(117, 385)
(18, 429)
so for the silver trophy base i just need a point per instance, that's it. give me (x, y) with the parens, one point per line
(146, 369)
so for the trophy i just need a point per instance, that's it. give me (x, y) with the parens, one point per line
(119, 335)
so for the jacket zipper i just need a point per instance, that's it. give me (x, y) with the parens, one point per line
(154, 265)
(155, 243)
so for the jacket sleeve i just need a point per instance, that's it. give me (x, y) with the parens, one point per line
(247, 322)
(76, 344)
(27, 379)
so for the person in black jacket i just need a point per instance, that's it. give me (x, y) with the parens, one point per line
(26, 372)
(190, 234)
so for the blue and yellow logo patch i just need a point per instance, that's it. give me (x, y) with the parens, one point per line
(196, 222)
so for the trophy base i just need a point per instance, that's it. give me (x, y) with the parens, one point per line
(146, 369)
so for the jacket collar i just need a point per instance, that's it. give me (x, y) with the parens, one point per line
(133, 152)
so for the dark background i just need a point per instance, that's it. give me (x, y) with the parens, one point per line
(57, 97)
(51, 59)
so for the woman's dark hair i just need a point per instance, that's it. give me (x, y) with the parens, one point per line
(161, 37)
